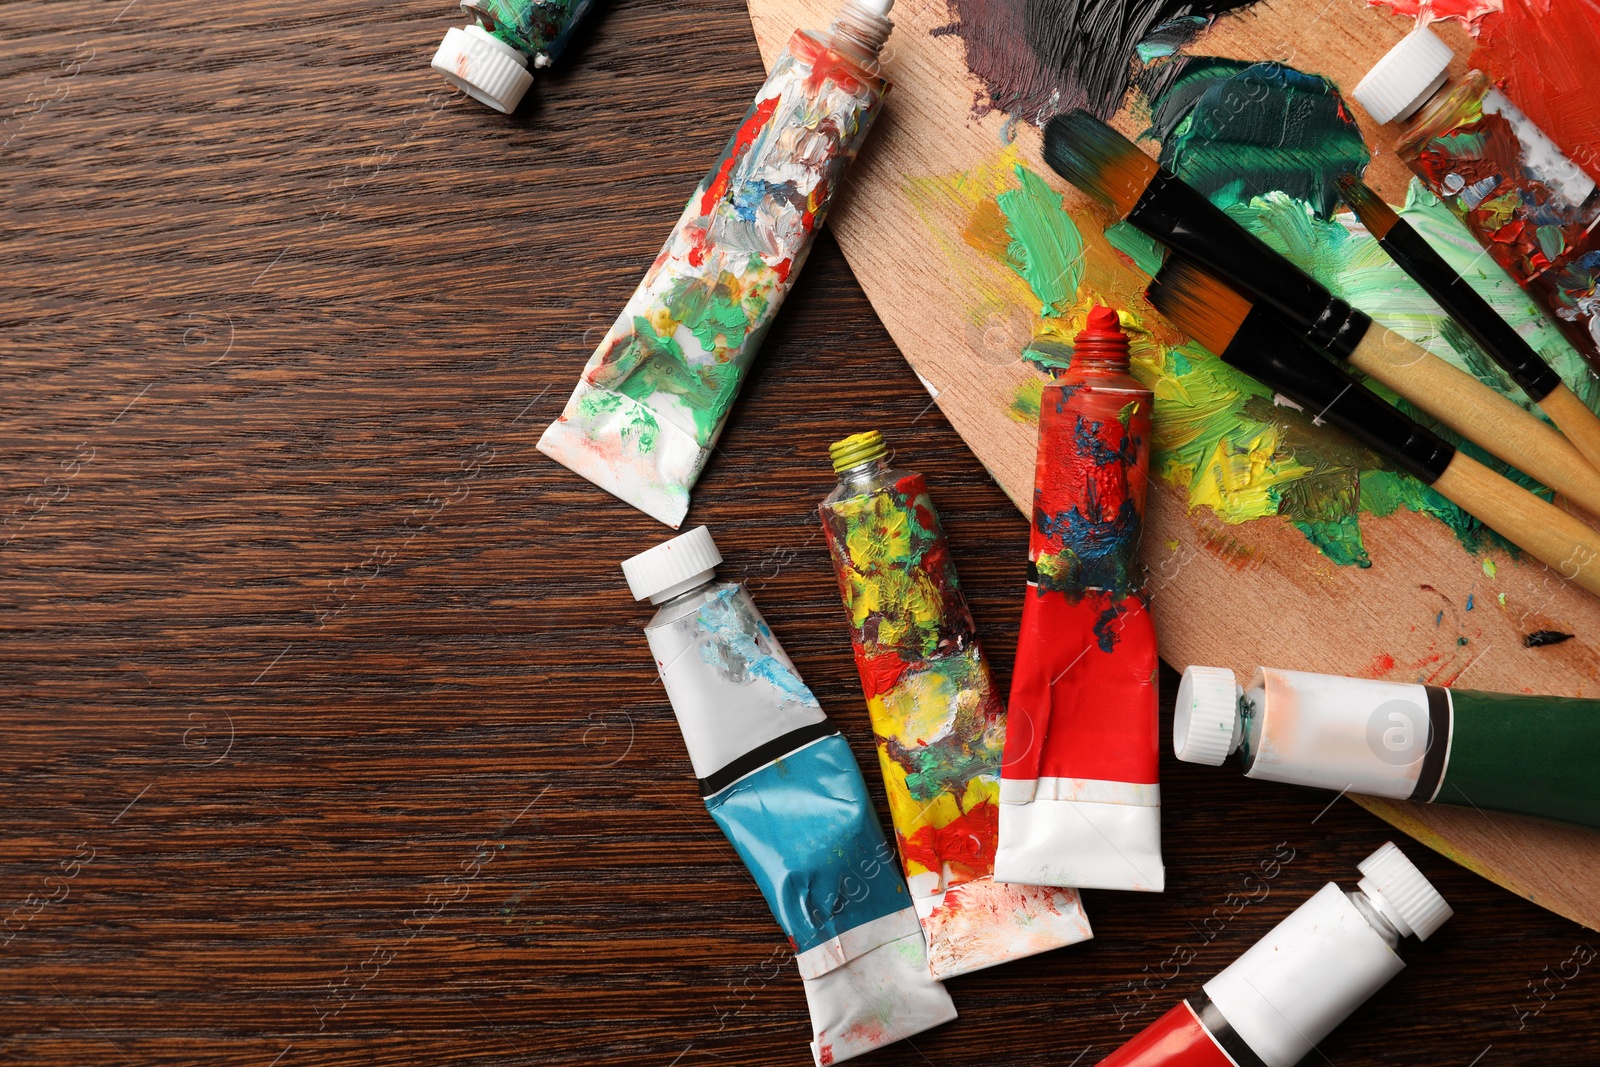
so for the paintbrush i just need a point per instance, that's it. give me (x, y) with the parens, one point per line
(1255, 341)
(1110, 168)
(1503, 344)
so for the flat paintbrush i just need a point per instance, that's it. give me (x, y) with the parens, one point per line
(1495, 335)
(1257, 342)
(1109, 167)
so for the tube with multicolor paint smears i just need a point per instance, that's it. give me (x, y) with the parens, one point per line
(1079, 799)
(1534, 211)
(939, 722)
(785, 788)
(1293, 987)
(656, 393)
(489, 59)
(1529, 755)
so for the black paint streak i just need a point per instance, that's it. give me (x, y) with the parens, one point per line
(1541, 638)
(1037, 58)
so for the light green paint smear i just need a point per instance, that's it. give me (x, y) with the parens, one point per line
(1349, 262)
(1146, 252)
(1046, 249)
(1489, 568)
(641, 425)
(1025, 401)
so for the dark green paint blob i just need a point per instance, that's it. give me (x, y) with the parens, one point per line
(1235, 130)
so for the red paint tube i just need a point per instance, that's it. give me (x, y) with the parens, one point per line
(1079, 794)
(1289, 990)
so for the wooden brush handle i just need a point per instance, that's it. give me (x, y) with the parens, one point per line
(1576, 422)
(1479, 414)
(1537, 526)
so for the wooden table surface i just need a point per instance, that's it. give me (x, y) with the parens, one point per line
(331, 737)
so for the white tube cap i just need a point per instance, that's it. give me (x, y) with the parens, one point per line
(484, 67)
(672, 567)
(1407, 75)
(1388, 878)
(879, 8)
(1205, 722)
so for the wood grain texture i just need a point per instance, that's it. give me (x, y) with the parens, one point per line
(1564, 542)
(331, 737)
(1239, 595)
(1576, 422)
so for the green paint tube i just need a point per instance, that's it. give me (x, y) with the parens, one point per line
(1529, 755)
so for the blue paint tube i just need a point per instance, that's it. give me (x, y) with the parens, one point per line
(785, 788)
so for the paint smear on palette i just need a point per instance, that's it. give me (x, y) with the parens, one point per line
(1036, 58)
(1236, 129)
(1426, 11)
(1220, 436)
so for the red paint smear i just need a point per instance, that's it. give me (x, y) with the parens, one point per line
(743, 138)
(966, 844)
(1426, 11)
(1543, 55)
(1381, 665)
(1177, 1039)
(1443, 670)
(880, 671)
(827, 65)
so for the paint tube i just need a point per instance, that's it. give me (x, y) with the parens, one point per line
(1536, 212)
(1530, 755)
(1293, 987)
(489, 59)
(785, 788)
(1080, 802)
(939, 721)
(656, 393)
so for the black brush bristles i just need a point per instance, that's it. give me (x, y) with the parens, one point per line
(1097, 159)
(1379, 218)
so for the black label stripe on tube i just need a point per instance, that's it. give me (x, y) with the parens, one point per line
(762, 755)
(1437, 754)
(1222, 1032)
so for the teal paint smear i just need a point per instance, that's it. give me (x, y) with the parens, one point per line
(1165, 40)
(1234, 130)
(1046, 249)
(739, 645)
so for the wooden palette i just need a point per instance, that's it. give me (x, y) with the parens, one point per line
(1236, 595)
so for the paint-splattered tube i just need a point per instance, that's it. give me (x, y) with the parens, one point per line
(489, 59)
(1293, 987)
(786, 790)
(939, 722)
(656, 393)
(1080, 803)
(1529, 755)
(1536, 212)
